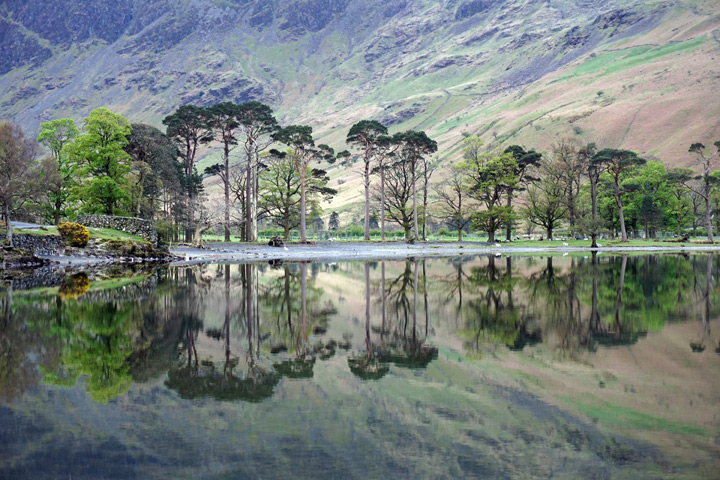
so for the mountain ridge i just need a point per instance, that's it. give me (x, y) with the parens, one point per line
(524, 72)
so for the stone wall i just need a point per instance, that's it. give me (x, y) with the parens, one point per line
(37, 244)
(131, 225)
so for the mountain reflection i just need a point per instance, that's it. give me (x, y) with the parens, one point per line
(236, 332)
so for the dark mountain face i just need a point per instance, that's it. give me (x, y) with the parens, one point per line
(311, 60)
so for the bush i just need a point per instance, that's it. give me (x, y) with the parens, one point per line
(74, 234)
(443, 232)
(74, 286)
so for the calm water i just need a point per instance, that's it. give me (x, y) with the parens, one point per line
(481, 367)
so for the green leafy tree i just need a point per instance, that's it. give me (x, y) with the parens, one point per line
(334, 221)
(617, 163)
(489, 175)
(299, 139)
(189, 127)
(19, 172)
(224, 118)
(280, 187)
(365, 136)
(55, 134)
(155, 170)
(526, 162)
(100, 164)
(681, 207)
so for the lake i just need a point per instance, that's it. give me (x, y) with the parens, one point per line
(572, 366)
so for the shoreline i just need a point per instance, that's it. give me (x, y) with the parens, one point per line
(341, 251)
(334, 251)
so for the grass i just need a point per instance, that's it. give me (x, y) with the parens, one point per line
(628, 418)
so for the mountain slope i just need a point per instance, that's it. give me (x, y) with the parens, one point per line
(627, 73)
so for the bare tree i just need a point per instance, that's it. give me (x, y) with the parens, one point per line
(454, 206)
(19, 172)
(707, 161)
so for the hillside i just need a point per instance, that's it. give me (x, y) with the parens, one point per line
(626, 73)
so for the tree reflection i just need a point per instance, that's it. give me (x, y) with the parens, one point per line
(252, 380)
(368, 366)
(400, 342)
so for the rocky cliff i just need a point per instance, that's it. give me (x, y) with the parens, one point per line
(631, 73)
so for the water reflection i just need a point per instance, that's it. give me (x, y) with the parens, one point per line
(233, 332)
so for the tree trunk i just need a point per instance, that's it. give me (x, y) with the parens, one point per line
(8, 229)
(491, 236)
(425, 202)
(508, 227)
(459, 233)
(708, 214)
(226, 180)
(248, 200)
(382, 203)
(303, 237)
(415, 217)
(366, 181)
(618, 202)
(253, 236)
(593, 197)
(548, 231)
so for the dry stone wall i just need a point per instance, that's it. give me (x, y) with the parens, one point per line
(37, 244)
(131, 225)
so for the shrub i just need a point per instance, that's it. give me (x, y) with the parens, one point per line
(74, 234)
(74, 286)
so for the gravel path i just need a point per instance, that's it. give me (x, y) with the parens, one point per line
(387, 250)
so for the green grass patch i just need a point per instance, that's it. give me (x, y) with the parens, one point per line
(617, 61)
(628, 418)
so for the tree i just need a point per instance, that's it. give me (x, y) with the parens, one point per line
(454, 206)
(677, 178)
(18, 172)
(365, 136)
(256, 120)
(594, 171)
(525, 162)
(616, 164)
(189, 127)
(413, 147)
(546, 202)
(398, 195)
(55, 134)
(299, 139)
(386, 147)
(155, 168)
(489, 176)
(224, 118)
(575, 167)
(334, 221)
(707, 162)
(100, 164)
(280, 187)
